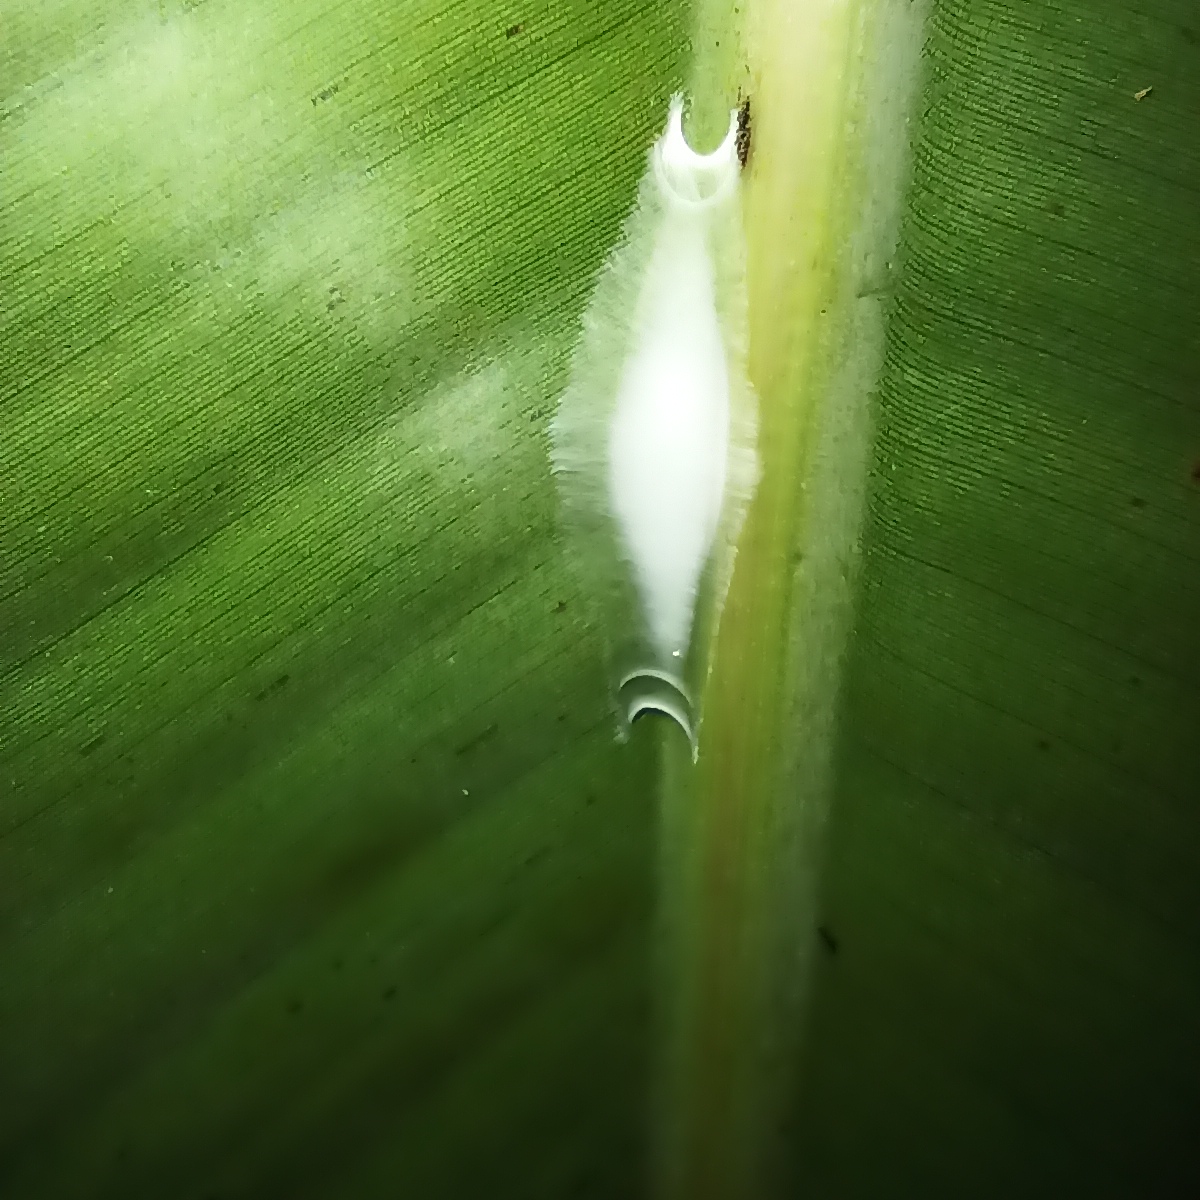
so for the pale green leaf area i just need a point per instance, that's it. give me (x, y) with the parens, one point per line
(321, 873)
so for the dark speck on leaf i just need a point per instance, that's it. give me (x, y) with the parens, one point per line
(828, 940)
(389, 992)
(478, 740)
(743, 133)
(274, 686)
(90, 747)
(295, 1007)
(513, 30)
(1137, 502)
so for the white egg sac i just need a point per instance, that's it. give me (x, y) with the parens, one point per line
(654, 439)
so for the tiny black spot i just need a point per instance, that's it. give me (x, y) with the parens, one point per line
(478, 740)
(338, 963)
(742, 140)
(295, 1007)
(274, 686)
(589, 799)
(217, 488)
(1196, 471)
(828, 940)
(513, 30)
(1189, 35)
(1043, 743)
(1135, 681)
(389, 992)
(1058, 209)
(92, 746)
(1137, 502)
(561, 606)
(562, 716)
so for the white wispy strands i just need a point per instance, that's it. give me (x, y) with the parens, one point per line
(653, 443)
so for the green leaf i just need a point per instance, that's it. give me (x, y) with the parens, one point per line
(1012, 863)
(320, 871)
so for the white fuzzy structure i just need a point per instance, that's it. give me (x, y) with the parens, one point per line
(669, 440)
(652, 414)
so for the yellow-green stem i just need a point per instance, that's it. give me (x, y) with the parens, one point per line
(827, 80)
